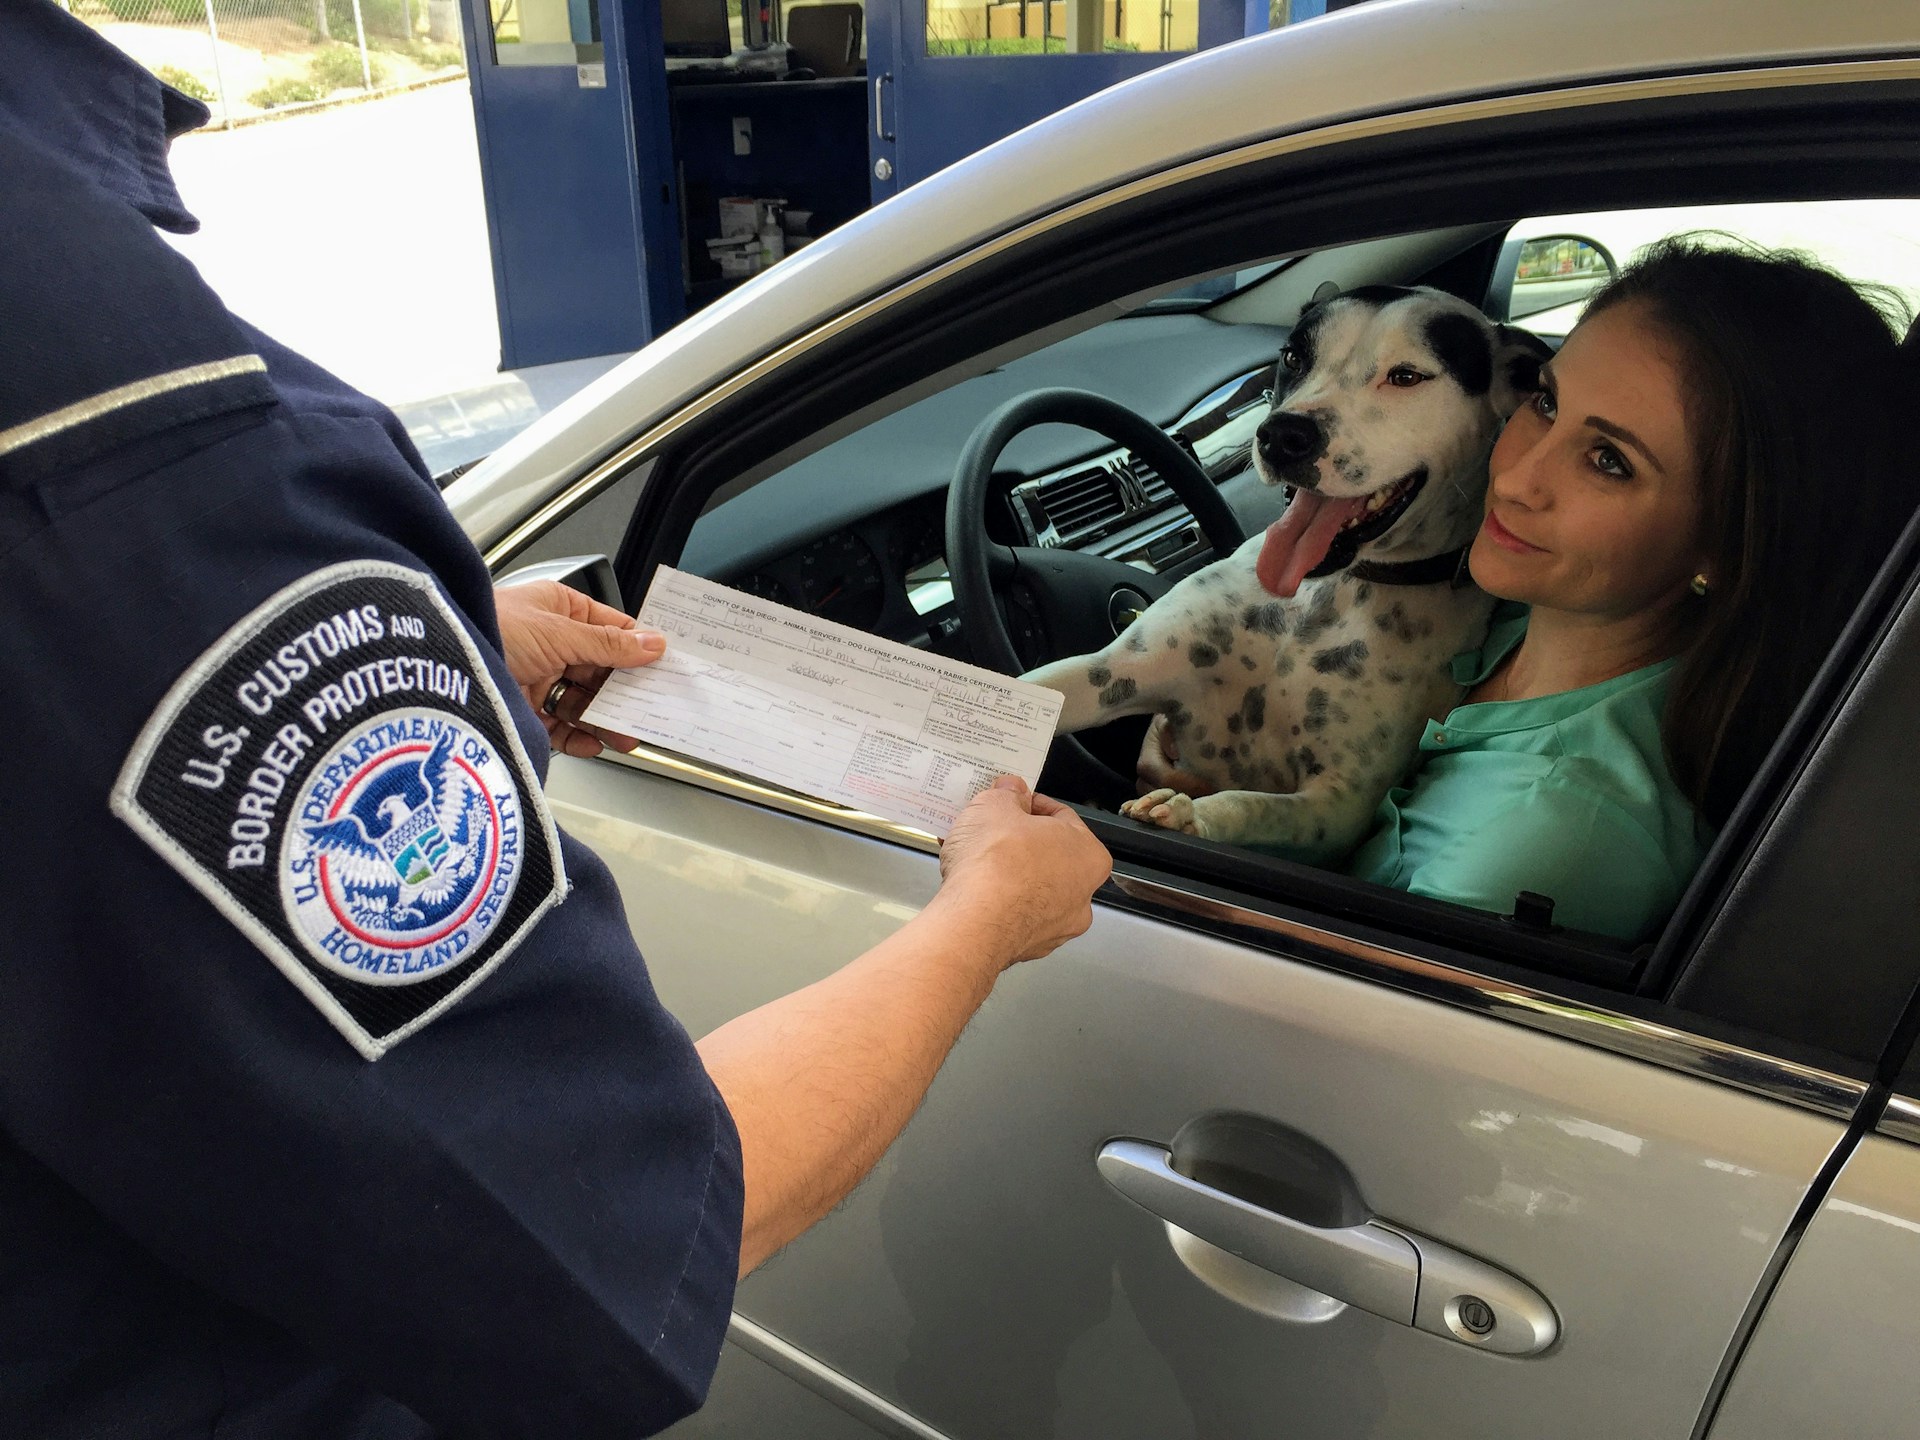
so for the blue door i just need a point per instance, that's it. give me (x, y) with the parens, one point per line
(947, 77)
(570, 111)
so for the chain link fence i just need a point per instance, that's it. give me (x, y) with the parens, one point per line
(248, 58)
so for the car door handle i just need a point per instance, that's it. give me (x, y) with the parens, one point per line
(1374, 1266)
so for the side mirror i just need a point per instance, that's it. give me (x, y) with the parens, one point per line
(589, 574)
(1550, 271)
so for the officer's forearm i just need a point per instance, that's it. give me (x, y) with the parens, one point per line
(820, 1082)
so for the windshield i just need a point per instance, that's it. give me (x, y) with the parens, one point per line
(1202, 293)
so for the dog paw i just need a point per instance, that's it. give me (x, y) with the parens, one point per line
(1168, 809)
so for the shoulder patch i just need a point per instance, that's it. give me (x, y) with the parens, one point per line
(341, 778)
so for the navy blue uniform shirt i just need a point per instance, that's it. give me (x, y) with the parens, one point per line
(334, 1096)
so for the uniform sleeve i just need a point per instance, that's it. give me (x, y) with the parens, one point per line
(372, 1054)
(1566, 840)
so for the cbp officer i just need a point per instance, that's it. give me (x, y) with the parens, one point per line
(334, 1096)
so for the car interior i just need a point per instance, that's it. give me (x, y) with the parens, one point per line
(850, 520)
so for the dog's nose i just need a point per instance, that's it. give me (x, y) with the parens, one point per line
(1288, 439)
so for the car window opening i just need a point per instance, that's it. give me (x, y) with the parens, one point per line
(873, 555)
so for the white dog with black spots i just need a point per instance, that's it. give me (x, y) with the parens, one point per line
(1296, 676)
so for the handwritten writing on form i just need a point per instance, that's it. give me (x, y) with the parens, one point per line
(819, 708)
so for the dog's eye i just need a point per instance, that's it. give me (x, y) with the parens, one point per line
(1406, 377)
(1292, 361)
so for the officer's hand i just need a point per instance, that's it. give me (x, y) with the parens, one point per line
(552, 633)
(1024, 868)
(1159, 765)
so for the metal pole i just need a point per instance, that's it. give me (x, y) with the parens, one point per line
(360, 30)
(406, 9)
(219, 76)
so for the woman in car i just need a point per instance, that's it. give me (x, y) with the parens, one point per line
(1683, 518)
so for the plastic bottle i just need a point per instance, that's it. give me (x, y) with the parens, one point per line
(772, 244)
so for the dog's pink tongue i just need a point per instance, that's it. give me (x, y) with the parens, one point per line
(1300, 539)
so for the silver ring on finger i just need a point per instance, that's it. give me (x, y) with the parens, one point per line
(551, 705)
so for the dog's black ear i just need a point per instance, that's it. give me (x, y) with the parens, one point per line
(1518, 356)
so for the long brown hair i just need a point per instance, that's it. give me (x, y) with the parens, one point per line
(1799, 403)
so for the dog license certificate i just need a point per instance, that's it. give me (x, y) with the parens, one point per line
(822, 709)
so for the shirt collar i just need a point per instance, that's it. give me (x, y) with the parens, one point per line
(1506, 629)
(81, 99)
(1498, 717)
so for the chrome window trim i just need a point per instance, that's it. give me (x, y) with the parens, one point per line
(1901, 1119)
(1494, 107)
(670, 766)
(1701, 1056)
(882, 1416)
(1755, 1072)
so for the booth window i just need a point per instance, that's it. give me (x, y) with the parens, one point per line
(544, 32)
(1061, 27)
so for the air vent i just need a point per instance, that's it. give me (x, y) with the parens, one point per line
(1080, 504)
(1153, 485)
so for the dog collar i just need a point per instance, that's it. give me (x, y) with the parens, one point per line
(1451, 566)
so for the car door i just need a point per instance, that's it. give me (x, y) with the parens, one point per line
(1250, 1159)
(989, 1281)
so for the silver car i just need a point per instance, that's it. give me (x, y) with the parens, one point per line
(1268, 1151)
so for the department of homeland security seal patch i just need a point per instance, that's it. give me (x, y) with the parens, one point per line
(339, 775)
(403, 850)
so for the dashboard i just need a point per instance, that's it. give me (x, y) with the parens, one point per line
(881, 568)
(859, 575)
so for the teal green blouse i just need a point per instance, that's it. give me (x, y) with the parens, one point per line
(1567, 795)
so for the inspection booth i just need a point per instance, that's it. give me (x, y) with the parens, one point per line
(642, 157)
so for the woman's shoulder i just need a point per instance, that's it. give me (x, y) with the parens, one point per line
(1616, 724)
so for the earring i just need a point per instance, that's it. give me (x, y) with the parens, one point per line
(1699, 585)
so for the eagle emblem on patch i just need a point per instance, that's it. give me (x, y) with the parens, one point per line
(341, 777)
(403, 850)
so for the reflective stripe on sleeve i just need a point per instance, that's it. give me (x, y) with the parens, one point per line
(105, 403)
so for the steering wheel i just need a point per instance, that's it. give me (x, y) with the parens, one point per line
(1081, 601)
